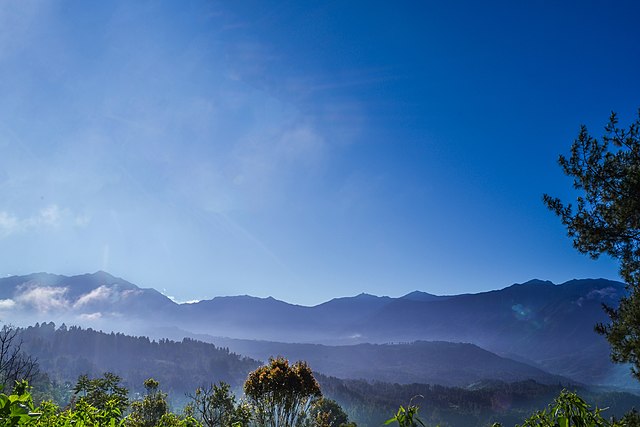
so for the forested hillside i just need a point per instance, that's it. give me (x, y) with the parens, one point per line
(522, 321)
(477, 406)
(65, 353)
(429, 362)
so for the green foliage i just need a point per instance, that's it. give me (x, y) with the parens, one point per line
(104, 394)
(179, 366)
(153, 410)
(172, 420)
(607, 215)
(606, 220)
(149, 411)
(281, 394)
(17, 409)
(631, 419)
(623, 333)
(406, 417)
(568, 410)
(328, 413)
(217, 406)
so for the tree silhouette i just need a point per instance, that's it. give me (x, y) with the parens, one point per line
(606, 220)
(281, 394)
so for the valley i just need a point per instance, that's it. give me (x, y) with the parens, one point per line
(519, 345)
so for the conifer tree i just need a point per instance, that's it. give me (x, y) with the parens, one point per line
(605, 219)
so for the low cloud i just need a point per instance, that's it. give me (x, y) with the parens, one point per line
(174, 299)
(599, 294)
(608, 292)
(90, 316)
(130, 292)
(42, 298)
(102, 293)
(7, 304)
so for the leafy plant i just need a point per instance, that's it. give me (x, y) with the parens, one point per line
(407, 417)
(17, 409)
(105, 393)
(568, 410)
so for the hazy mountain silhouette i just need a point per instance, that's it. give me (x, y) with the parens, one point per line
(538, 322)
(445, 363)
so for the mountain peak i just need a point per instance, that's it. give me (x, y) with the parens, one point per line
(537, 282)
(102, 275)
(364, 295)
(420, 296)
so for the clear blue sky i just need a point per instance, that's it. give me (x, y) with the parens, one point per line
(304, 150)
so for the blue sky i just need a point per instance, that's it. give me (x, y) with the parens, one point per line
(302, 150)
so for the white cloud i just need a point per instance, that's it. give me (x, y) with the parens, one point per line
(101, 293)
(130, 292)
(7, 304)
(51, 216)
(90, 316)
(42, 298)
(599, 294)
(608, 292)
(172, 298)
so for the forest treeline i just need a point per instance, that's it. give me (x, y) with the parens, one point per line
(483, 404)
(278, 394)
(68, 354)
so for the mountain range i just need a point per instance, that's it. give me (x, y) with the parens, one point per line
(65, 354)
(546, 326)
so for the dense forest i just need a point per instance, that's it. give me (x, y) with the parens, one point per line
(65, 354)
(482, 405)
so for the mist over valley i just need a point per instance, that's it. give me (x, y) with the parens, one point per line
(509, 334)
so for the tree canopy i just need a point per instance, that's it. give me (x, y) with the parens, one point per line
(216, 406)
(280, 393)
(102, 392)
(605, 219)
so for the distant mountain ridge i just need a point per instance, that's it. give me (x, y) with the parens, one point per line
(425, 362)
(65, 353)
(549, 325)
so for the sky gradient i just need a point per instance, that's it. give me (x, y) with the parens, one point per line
(303, 151)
